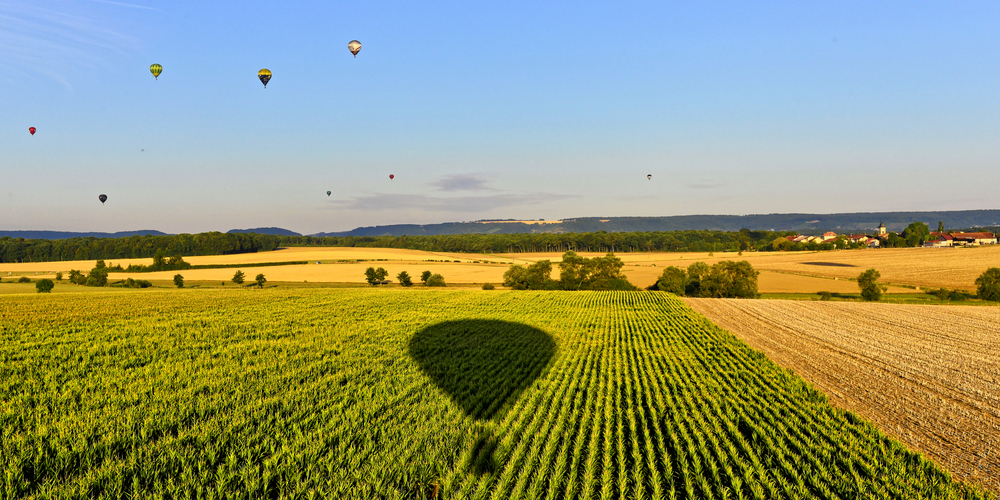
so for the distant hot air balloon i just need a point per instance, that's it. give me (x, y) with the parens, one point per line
(265, 76)
(649, 176)
(391, 177)
(155, 69)
(32, 130)
(103, 198)
(328, 193)
(354, 46)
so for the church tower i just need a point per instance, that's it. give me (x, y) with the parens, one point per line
(881, 228)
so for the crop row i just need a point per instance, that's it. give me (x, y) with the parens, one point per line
(350, 393)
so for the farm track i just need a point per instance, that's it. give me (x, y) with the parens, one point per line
(397, 394)
(927, 375)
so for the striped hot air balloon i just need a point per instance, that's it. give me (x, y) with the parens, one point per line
(265, 76)
(155, 69)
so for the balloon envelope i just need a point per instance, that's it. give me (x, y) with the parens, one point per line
(391, 176)
(156, 69)
(103, 198)
(265, 76)
(650, 176)
(328, 193)
(32, 130)
(354, 46)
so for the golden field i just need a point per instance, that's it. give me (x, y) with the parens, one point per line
(781, 272)
(926, 375)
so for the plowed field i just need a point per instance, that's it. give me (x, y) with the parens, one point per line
(928, 375)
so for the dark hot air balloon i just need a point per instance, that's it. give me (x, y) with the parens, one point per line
(354, 46)
(265, 76)
(649, 176)
(328, 193)
(103, 198)
(391, 177)
(32, 130)
(156, 69)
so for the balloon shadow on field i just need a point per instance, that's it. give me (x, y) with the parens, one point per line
(482, 365)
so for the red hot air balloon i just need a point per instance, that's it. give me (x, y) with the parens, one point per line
(32, 130)
(103, 198)
(391, 176)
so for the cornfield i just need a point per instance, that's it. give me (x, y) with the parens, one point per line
(432, 394)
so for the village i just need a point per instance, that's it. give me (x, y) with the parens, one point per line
(934, 240)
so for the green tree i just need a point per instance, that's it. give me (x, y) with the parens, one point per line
(404, 278)
(988, 285)
(435, 280)
(424, 276)
(940, 227)
(673, 280)
(44, 285)
(77, 277)
(260, 279)
(696, 272)
(571, 271)
(24, 279)
(98, 276)
(381, 274)
(239, 277)
(59, 276)
(514, 278)
(178, 281)
(537, 276)
(370, 276)
(916, 234)
(871, 290)
(730, 279)
(605, 273)
(160, 259)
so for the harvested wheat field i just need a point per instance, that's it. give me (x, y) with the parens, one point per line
(927, 375)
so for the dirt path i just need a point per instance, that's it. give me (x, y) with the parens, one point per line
(927, 375)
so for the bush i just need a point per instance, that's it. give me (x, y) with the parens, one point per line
(825, 295)
(424, 276)
(435, 280)
(673, 279)
(44, 285)
(489, 286)
(24, 279)
(58, 276)
(730, 279)
(178, 281)
(988, 285)
(870, 289)
(404, 278)
(143, 283)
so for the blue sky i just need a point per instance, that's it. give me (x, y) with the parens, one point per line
(489, 110)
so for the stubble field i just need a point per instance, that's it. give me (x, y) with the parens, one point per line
(927, 375)
(344, 393)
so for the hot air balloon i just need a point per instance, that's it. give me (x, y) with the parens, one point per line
(328, 193)
(649, 176)
(391, 177)
(265, 76)
(354, 46)
(32, 130)
(103, 198)
(155, 69)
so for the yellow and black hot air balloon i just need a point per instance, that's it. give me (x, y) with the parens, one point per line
(265, 76)
(354, 46)
(155, 69)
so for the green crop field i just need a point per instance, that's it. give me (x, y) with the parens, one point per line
(351, 393)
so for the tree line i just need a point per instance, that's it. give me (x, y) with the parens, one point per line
(14, 250)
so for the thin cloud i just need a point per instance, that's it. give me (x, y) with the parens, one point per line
(462, 182)
(121, 4)
(54, 43)
(461, 204)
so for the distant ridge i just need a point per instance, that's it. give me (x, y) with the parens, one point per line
(862, 222)
(64, 235)
(276, 231)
